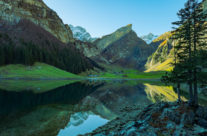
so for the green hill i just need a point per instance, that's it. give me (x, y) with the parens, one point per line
(37, 71)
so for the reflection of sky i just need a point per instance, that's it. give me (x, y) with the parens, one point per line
(90, 124)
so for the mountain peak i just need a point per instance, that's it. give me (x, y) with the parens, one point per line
(125, 29)
(129, 25)
(109, 39)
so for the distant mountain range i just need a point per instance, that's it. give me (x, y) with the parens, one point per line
(122, 47)
(33, 23)
(149, 38)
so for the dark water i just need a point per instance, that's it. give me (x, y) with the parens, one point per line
(73, 109)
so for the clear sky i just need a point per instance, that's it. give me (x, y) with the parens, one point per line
(102, 17)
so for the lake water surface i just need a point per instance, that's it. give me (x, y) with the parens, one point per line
(71, 108)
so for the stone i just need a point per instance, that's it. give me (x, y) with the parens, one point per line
(174, 116)
(202, 122)
(189, 118)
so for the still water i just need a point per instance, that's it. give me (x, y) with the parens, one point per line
(71, 108)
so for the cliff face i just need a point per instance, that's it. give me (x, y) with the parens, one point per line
(123, 48)
(38, 13)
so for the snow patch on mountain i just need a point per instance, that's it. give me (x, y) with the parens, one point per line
(81, 34)
(149, 38)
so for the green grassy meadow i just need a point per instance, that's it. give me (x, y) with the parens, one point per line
(44, 71)
(37, 71)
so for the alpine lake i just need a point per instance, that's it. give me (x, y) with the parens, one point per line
(72, 107)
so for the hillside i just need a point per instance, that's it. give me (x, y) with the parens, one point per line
(162, 57)
(26, 43)
(36, 71)
(31, 32)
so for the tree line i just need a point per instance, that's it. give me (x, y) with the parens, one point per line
(190, 46)
(27, 53)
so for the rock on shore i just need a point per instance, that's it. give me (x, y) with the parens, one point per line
(158, 120)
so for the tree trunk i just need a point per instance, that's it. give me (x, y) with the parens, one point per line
(178, 92)
(191, 93)
(195, 89)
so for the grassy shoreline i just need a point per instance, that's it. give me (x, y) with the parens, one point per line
(41, 71)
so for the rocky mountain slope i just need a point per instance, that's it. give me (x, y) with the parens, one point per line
(38, 13)
(149, 38)
(123, 48)
(84, 41)
(87, 48)
(81, 34)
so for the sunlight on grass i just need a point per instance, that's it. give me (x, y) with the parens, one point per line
(38, 70)
(165, 66)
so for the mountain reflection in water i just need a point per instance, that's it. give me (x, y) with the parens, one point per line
(76, 108)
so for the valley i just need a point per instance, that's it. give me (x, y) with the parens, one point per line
(58, 78)
(33, 42)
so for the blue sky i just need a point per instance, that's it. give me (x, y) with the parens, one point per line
(102, 17)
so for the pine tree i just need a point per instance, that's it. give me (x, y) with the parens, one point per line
(183, 49)
(189, 35)
(199, 31)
